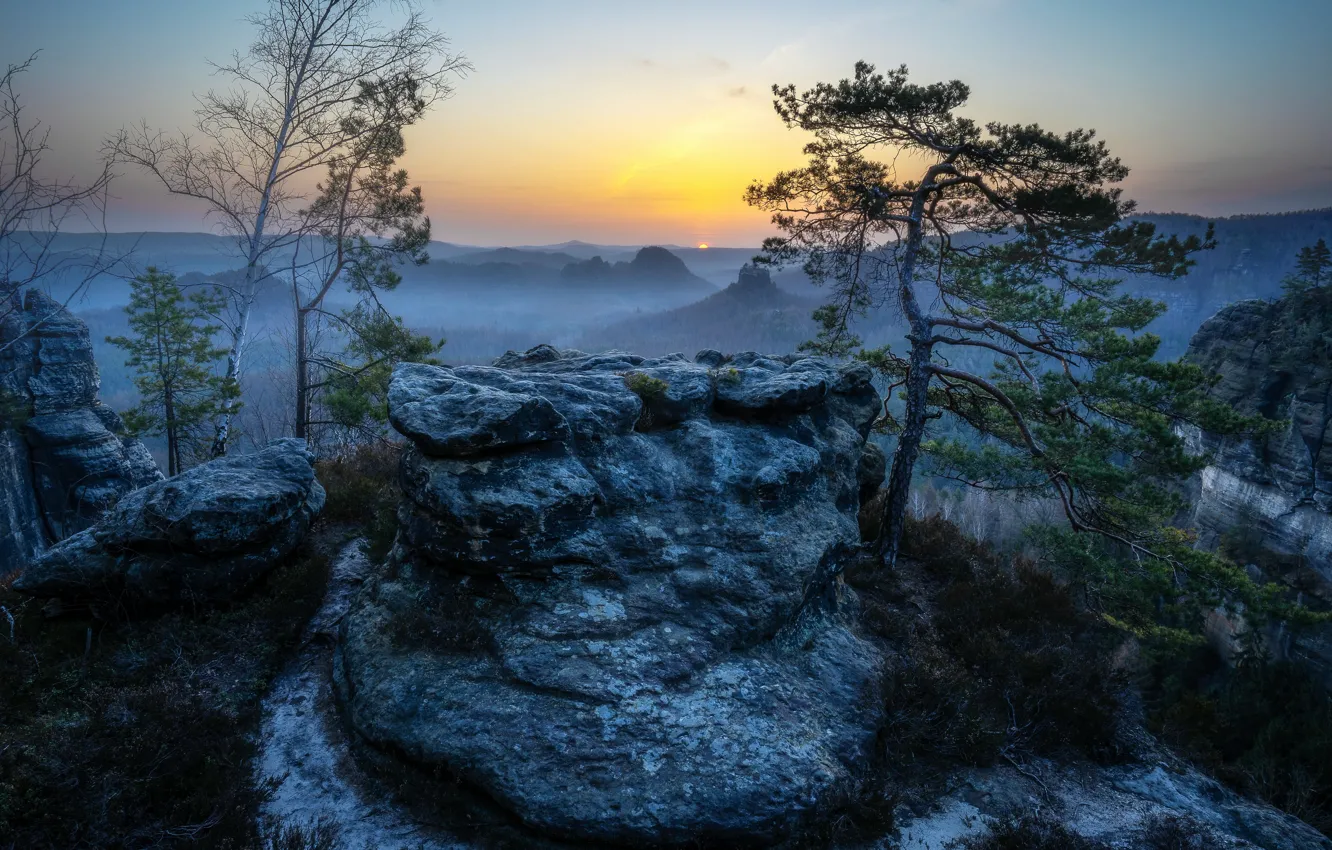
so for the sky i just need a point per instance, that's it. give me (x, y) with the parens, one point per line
(632, 122)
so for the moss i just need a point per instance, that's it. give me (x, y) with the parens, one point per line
(645, 386)
(15, 410)
(142, 734)
(729, 377)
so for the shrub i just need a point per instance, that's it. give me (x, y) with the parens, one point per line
(141, 734)
(362, 488)
(993, 661)
(645, 386)
(1176, 832)
(1263, 728)
(322, 834)
(444, 617)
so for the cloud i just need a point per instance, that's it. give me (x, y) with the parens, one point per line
(705, 64)
(738, 91)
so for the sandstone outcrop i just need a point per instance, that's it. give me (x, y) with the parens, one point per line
(64, 456)
(609, 607)
(202, 536)
(1278, 488)
(1270, 499)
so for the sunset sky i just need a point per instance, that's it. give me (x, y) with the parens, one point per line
(634, 122)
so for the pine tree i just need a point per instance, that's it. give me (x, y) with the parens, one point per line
(353, 393)
(1313, 268)
(1006, 248)
(171, 353)
(365, 222)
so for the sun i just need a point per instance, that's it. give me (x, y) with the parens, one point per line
(702, 246)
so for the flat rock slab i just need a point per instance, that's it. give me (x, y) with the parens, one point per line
(604, 629)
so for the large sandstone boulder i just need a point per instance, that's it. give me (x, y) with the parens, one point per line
(64, 456)
(612, 606)
(203, 536)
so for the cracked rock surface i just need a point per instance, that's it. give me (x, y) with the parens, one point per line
(593, 612)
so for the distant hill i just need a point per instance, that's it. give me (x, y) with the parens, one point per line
(1252, 255)
(752, 314)
(517, 256)
(653, 270)
(526, 287)
(654, 274)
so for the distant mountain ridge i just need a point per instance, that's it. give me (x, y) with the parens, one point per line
(752, 314)
(520, 286)
(653, 270)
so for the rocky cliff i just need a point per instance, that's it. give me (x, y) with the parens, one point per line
(609, 605)
(1274, 359)
(1268, 501)
(64, 456)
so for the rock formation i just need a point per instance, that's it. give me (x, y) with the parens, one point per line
(203, 536)
(1272, 494)
(612, 605)
(752, 312)
(64, 456)
(1278, 488)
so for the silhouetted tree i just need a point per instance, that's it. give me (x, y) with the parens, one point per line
(292, 114)
(1313, 268)
(35, 208)
(366, 220)
(1007, 240)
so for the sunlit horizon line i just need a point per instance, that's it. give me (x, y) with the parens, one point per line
(692, 244)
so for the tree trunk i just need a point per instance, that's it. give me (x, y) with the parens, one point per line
(172, 435)
(917, 389)
(223, 430)
(906, 454)
(302, 378)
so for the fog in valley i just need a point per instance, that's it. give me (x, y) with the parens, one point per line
(651, 300)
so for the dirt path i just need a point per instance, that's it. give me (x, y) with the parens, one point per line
(303, 744)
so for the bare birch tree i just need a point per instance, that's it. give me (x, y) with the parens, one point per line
(259, 147)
